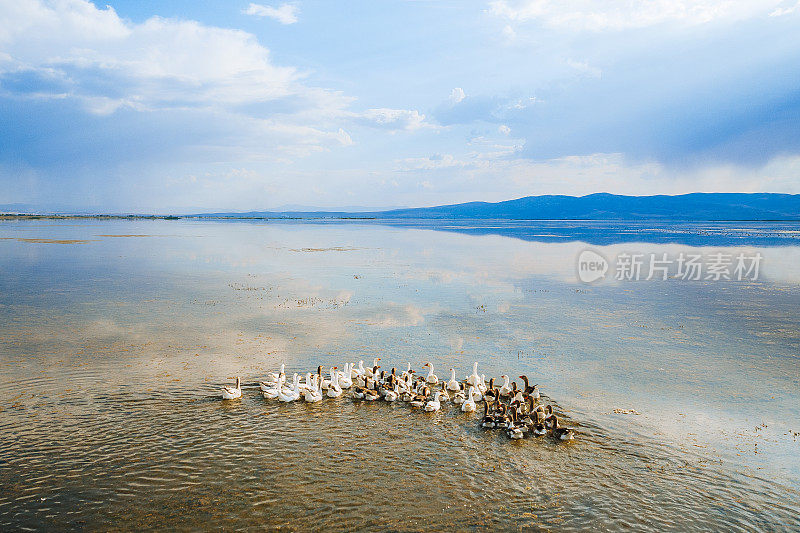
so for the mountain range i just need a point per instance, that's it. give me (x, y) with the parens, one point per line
(599, 206)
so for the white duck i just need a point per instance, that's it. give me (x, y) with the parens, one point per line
(453, 384)
(469, 404)
(232, 393)
(431, 377)
(434, 405)
(474, 379)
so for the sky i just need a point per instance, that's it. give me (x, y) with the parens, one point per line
(187, 106)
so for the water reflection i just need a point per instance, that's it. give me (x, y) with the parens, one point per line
(113, 351)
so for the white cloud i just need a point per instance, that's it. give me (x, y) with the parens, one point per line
(585, 174)
(436, 161)
(781, 11)
(200, 74)
(457, 95)
(599, 15)
(393, 119)
(285, 14)
(585, 68)
(505, 130)
(158, 63)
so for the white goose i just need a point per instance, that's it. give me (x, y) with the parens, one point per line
(314, 395)
(274, 376)
(345, 379)
(370, 371)
(453, 384)
(334, 390)
(291, 388)
(293, 394)
(505, 390)
(459, 397)
(434, 405)
(469, 404)
(474, 379)
(482, 388)
(272, 392)
(431, 377)
(391, 395)
(308, 385)
(232, 393)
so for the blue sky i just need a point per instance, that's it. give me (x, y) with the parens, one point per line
(183, 106)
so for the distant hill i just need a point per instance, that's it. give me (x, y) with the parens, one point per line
(600, 206)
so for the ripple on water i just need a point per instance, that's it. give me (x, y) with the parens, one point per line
(90, 459)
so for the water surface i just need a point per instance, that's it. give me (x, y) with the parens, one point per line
(115, 337)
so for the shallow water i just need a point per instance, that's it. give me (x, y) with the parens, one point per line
(115, 337)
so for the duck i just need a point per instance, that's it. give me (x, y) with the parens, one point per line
(431, 377)
(505, 389)
(435, 404)
(232, 393)
(453, 384)
(561, 433)
(474, 379)
(468, 406)
(293, 393)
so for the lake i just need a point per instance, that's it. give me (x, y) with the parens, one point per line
(116, 337)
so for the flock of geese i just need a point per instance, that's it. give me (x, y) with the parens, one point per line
(518, 411)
